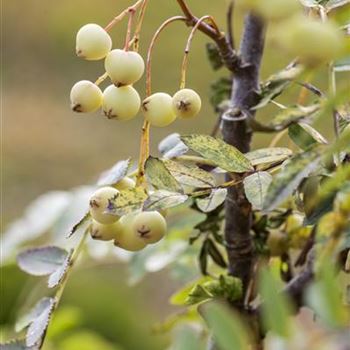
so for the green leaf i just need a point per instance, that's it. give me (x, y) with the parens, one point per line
(332, 4)
(160, 176)
(325, 298)
(292, 115)
(127, 201)
(305, 136)
(197, 295)
(190, 175)
(171, 146)
(163, 200)
(115, 174)
(255, 187)
(222, 154)
(39, 324)
(289, 178)
(220, 91)
(58, 276)
(227, 328)
(214, 56)
(179, 298)
(203, 258)
(41, 261)
(275, 307)
(215, 254)
(276, 84)
(268, 155)
(210, 203)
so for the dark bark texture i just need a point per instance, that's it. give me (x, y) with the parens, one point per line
(237, 133)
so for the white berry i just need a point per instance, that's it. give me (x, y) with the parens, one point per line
(120, 103)
(127, 238)
(125, 184)
(187, 103)
(124, 67)
(85, 97)
(93, 42)
(105, 232)
(150, 226)
(158, 109)
(100, 201)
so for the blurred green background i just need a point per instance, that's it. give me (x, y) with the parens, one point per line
(48, 147)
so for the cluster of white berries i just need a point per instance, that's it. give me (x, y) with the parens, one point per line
(131, 232)
(120, 100)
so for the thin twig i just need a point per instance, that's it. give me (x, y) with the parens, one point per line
(139, 25)
(230, 37)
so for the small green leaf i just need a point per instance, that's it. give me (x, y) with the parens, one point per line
(203, 258)
(39, 324)
(190, 175)
(127, 201)
(215, 254)
(275, 307)
(41, 261)
(160, 176)
(210, 203)
(228, 330)
(115, 174)
(290, 176)
(214, 56)
(163, 199)
(255, 187)
(268, 155)
(220, 91)
(197, 295)
(222, 154)
(305, 136)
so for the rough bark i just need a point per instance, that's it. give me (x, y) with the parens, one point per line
(237, 133)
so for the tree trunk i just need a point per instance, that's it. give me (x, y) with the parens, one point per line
(245, 82)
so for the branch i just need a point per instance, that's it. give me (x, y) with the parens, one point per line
(229, 56)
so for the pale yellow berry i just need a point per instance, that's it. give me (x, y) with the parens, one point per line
(105, 232)
(128, 238)
(125, 184)
(85, 97)
(158, 109)
(124, 67)
(93, 42)
(186, 103)
(100, 201)
(150, 226)
(120, 103)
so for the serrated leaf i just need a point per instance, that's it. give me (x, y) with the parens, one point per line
(228, 329)
(160, 176)
(114, 174)
(16, 345)
(275, 307)
(222, 154)
(216, 198)
(38, 327)
(127, 201)
(32, 314)
(255, 187)
(292, 115)
(79, 224)
(163, 199)
(197, 295)
(190, 175)
(41, 261)
(289, 178)
(214, 56)
(276, 84)
(215, 254)
(304, 135)
(268, 155)
(57, 277)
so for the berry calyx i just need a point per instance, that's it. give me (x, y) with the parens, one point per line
(85, 97)
(104, 232)
(99, 203)
(127, 237)
(186, 103)
(121, 103)
(124, 67)
(150, 226)
(93, 42)
(158, 109)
